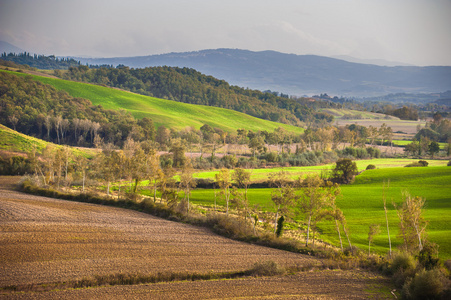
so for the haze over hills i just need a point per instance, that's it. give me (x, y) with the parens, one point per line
(293, 74)
(297, 74)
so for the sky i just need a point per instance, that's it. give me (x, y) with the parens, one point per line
(416, 32)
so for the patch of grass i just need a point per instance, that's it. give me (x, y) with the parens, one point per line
(14, 141)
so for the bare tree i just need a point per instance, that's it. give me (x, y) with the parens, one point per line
(58, 120)
(375, 229)
(13, 120)
(412, 226)
(224, 183)
(48, 125)
(64, 126)
(384, 197)
(187, 181)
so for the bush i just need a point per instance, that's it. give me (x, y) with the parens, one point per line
(403, 267)
(370, 167)
(266, 268)
(449, 164)
(423, 162)
(420, 163)
(425, 285)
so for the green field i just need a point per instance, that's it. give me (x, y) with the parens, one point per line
(169, 113)
(294, 172)
(362, 205)
(13, 141)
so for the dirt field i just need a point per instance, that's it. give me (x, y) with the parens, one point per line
(45, 240)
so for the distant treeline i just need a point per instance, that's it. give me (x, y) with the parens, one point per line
(40, 61)
(190, 86)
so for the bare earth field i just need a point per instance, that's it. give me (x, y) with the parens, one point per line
(44, 240)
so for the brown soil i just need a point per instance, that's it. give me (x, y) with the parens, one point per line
(45, 240)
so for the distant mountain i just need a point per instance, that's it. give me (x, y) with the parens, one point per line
(8, 48)
(297, 74)
(378, 62)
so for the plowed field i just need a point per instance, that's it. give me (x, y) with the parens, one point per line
(44, 240)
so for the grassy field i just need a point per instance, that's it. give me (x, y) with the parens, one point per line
(13, 141)
(169, 113)
(294, 172)
(362, 204)
(340, 113)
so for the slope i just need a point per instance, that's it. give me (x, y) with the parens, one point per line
(163, 112)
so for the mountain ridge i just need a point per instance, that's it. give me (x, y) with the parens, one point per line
(296, 74)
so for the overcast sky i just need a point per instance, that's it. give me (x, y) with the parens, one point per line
(410, 31)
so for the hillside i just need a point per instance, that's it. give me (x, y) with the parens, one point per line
(169, 113)
(297, 74)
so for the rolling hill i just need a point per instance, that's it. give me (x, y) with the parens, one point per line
(169, 113)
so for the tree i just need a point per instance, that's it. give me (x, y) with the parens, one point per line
(375, 229)
(384, 197)
(412, 148)
(344, 171)
(311, 201)
(257, 144)
(282, 195)
(187, 181)
(13, 120)
(148, 128)
(178, 153)
(242, 178)
(224, 183)
(412, 226)
(433, 148)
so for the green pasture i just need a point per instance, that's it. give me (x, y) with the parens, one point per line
(171, 114)
(294, 172)
(362, 205)
(14, 141)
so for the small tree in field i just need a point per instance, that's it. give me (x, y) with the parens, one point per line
(187, 181)
(224, 183)
(375, 229)
(312, 201)
(344, 171)
(412, 225)
(282, 195)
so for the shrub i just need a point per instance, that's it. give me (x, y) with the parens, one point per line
(280, 226)
(425, 285)
(420, 163)
(449, 164)
(266, 268)
(423, 163)
(370, 167)
(403, 261)
(403, 267)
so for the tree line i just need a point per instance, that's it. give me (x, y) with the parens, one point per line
(40, 61)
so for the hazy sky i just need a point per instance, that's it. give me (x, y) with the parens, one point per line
(410, 31)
